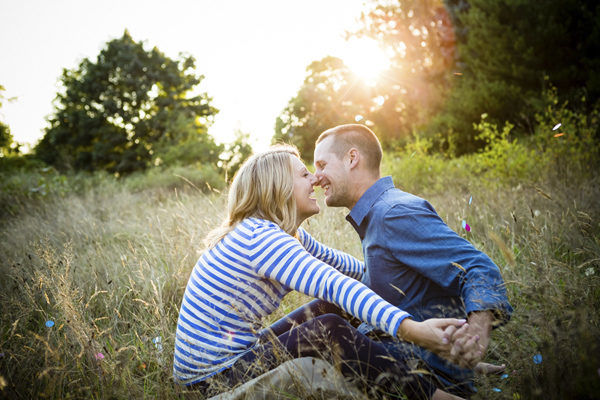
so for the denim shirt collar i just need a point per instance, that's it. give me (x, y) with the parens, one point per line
(366, 201)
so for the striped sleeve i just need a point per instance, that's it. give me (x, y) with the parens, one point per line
(278, 256)
(339, 260)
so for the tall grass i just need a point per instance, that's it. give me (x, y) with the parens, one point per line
(108, 265)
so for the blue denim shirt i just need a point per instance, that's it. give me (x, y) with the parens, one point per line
(409, 254)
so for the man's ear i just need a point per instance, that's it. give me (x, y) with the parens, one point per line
(353, 158)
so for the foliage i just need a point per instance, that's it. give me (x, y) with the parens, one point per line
(236, 153)
(115, 113)
(202, 177)
(330, 95)
(108, 265)
(503, 157)
(504, 60)
(419, 38)
(7, 144)
(578, 148)
(506, 159)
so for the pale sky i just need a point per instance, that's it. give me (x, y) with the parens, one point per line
(253, 54)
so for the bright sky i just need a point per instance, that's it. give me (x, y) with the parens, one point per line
(253, 54)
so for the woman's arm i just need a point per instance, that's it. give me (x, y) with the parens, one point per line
(339, 260)
(283, 259)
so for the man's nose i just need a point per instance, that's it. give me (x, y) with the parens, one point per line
(318, 174)
(314, 180)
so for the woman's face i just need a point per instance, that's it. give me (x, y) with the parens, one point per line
(304, 192)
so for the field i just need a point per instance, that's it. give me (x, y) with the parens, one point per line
(107, 264)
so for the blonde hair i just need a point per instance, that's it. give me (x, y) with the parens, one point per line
(262, 188)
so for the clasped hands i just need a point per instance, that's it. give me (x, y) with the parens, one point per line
(447, 337)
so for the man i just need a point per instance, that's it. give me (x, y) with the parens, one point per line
(412, 258)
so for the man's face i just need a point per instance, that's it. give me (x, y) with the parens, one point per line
(332, 174)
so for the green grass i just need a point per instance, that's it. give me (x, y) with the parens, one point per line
(109, 261)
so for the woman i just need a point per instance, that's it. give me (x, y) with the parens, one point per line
(254, 259)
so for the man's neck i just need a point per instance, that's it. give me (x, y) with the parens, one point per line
(360, 187)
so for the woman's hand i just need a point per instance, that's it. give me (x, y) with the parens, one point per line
(467, 349)
(445, 337)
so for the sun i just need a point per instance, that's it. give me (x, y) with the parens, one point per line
(365, 58)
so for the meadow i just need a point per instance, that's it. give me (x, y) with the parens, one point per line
(107, 260)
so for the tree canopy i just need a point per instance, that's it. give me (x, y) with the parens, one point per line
(452, 62)
(402, 99)
(508, 49)
(330, 95)
(6, 138)
(126, 109)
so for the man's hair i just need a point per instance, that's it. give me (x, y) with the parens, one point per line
(359, 137)
(262, 188)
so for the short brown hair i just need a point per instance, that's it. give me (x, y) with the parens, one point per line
(359, 137)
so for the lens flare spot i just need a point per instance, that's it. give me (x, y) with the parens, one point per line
(537, 358)
(559, 134)
(556, 127)
(470, 200)
(358, 118)
(365, 58)
(380, 100)
(49, 324)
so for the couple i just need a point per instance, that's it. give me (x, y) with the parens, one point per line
(260, 254)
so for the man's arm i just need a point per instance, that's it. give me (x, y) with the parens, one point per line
(480, 324)
(420, 240)
(469, 344)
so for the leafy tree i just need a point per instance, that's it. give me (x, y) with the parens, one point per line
(503, 49)
(330, 95)
(119, 112)
(508, 49)
(236, 153)
(6, 138)
(419, 38)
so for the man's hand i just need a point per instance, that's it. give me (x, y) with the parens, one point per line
(470, 342)
(489, 369)
(430, 335)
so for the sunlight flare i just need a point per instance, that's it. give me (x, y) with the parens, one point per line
(365, 58)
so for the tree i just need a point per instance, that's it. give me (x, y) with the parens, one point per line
(330, 95)
(117, 112)
(508, 48)
(503, 49)
(236, 153)
(419, 38)
(6, 139)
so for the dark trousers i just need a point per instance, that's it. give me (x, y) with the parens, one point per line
(442, 373)
(332, 338)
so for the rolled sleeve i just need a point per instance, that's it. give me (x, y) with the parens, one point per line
(418, 238)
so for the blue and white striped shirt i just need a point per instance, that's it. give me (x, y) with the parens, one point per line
(243, 278)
